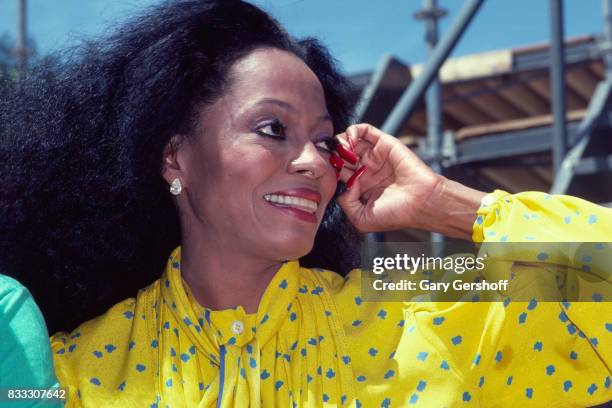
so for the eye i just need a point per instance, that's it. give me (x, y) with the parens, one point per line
(328, 145)
(272, 129)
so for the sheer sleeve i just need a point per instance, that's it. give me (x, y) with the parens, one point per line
(557, 353)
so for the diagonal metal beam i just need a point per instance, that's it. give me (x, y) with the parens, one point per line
(601, 100)
(404, 108)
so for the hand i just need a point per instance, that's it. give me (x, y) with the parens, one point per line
(398, 190)
(390, 193)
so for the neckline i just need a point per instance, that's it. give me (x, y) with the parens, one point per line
(214, 328)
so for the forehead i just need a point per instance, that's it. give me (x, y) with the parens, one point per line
(275, 73)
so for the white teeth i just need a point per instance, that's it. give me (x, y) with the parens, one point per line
(298, 202)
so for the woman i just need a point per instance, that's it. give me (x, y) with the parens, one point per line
(238, 120)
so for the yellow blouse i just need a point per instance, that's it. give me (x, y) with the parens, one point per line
(315, 343)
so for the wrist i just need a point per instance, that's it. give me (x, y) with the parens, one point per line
(451, 209)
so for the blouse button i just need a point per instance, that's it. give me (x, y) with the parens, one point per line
(237, 327)
(488, 200)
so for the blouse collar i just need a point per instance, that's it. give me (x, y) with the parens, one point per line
(211, 329)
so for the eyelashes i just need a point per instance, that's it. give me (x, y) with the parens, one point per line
(275, 129)
(328, 144)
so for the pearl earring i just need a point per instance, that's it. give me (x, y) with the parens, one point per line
(176, 187)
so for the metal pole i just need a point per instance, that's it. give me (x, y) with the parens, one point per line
(402, 110)
(607, 15)
(557, 81)
(22, 51)
(431, 14)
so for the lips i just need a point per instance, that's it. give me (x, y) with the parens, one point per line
(292, 201)
(305, 193)
(301, 202)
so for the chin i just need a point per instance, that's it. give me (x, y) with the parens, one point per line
(295, 251)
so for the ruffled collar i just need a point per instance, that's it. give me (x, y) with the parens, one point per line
(211, 329)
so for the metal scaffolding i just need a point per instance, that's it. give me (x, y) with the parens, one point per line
(430, 14)
(557, 76)
(404, 108)
(573, 144)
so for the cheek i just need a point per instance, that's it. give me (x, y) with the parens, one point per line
(243, 171)
(249, 164)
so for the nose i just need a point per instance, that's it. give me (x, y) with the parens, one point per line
(309, 161)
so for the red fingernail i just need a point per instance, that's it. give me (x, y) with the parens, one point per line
(350, 142)
(336, 162)
(347, 154)
(355, 176)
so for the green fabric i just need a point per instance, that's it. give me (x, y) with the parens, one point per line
(25, 353)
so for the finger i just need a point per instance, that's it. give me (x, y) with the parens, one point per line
(349, 201)
(347, 172)
(382, 144)
(358, 173)
(347, 154)
(343, 139)
(351, 142)
(336, 162)
(344, 153)
(367, 132)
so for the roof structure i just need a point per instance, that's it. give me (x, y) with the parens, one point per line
(486, 97)
(496, 114)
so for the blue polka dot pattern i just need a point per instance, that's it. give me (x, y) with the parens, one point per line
(316, 340)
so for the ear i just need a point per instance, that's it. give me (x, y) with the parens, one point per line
(171, 163)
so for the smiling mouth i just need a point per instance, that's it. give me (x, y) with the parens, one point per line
(298, 203)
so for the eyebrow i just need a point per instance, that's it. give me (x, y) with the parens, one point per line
(288, 107)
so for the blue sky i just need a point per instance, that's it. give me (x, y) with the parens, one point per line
(358, 32)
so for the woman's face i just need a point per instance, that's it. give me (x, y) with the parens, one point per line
(256, 173)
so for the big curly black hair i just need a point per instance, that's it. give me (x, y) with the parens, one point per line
(86, 218)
